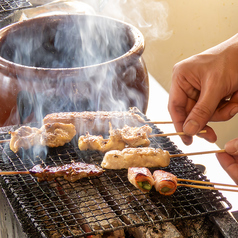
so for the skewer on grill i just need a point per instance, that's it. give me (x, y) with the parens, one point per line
(51, 134)
(121, 138)
(166, 183)
(142, 157)
(96, 122)
(71, 172)
(150, 136)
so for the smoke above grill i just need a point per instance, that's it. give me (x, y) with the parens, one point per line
(72, 62)
(67, 42)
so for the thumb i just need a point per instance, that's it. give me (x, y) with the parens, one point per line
(231, 147)
(202, 111)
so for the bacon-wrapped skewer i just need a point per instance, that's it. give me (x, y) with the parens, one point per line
(118, 139)
(50, 134)
(141, 178)
(165, 183)
(135, 157)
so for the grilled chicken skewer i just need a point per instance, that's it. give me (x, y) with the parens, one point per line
(135, 157)
(120, 138)
(57, 134)
(95, 123)
(50, 134)
(71, 172)
(142, 157)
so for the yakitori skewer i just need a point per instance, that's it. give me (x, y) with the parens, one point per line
(51, 135)
(150, 136)
(166, 183)
(71, 172)
(142, 157)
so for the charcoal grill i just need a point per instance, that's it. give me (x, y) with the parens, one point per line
(107, 204)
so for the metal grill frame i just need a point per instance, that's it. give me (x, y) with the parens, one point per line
(48, 208)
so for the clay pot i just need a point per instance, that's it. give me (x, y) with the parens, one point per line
(70, 63)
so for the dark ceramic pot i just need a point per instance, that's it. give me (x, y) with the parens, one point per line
(70, 63)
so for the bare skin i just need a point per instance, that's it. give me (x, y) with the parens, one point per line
(205, 88)
(229, 160)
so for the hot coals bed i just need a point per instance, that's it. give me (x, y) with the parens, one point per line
(107, 205)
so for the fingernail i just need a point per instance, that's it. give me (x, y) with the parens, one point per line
(234, 111)
(191, 128)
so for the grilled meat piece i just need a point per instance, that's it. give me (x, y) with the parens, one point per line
(135, 157)
(24, 137)
(57, 134)
(96, 123)
(50, 134)
(91, 142)
(136, 136)
(118, 139)
(141, 178)
(165, 183)
(71, 172)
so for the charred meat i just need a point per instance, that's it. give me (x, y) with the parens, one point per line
(71, 172)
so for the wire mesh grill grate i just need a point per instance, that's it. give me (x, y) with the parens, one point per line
(9, 5)
(99, 204)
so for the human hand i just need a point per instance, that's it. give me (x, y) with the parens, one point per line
(201, 87)
(229, 160)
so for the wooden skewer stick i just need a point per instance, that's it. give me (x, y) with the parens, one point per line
(4, 141)
(174, 134)
(197, 153)
(207, 182)
(13, 172)
(207, 187)
(159, 122)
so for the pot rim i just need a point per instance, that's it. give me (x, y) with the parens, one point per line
(136, 50)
